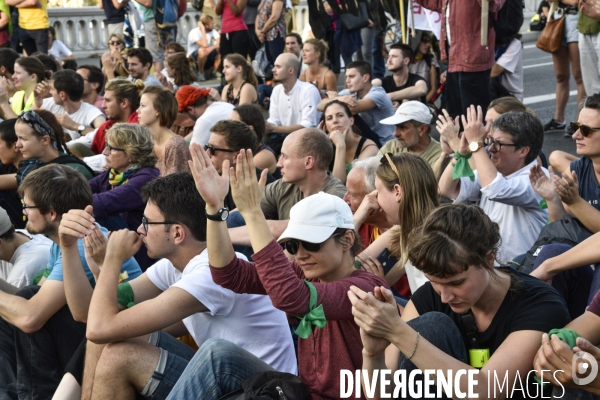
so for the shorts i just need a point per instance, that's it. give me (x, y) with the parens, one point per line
(174, 358)
(155, 43)
(571, 34)
(210, 59)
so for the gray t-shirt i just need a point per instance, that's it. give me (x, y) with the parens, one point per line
(151, 80)
(383, 109)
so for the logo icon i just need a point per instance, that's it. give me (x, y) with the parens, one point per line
(584, 368)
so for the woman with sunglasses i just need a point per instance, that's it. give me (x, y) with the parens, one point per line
(469, 317)
(338, 123)
(113, 61)
(314, 287)
(158, 111)
(130, 164)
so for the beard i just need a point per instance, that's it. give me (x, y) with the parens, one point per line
(396, 69)
(47, 230)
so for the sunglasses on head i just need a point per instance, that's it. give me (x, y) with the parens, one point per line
(584, 129)
(292, 245)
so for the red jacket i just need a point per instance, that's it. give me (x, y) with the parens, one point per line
(466, 52)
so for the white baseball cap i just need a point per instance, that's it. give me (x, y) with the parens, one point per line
(315, 218)
(409, 111)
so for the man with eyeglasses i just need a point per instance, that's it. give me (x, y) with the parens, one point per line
(39, 328)
(500, 183)
(175, 296)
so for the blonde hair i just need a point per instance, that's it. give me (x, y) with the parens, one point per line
(137, 142)
(321, 47)
(123, 88)
(419, 195)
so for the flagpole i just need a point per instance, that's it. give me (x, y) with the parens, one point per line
(485, 8)
(402, 22)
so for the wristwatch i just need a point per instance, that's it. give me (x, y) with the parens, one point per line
(474, 146)
(221, 215)
(80, 129)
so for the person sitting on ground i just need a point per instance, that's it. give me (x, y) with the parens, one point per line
(368, 101)
(139, 62)
(203, 46)
(507, 312)
(178, 290)
(202, 106)
(264, 156)
(406, 194)
(75, 116)
(179, 72)
(501, 181)
(7, 66)
(402, 84)
(412, 134)
(93, 85)
(349, 145)
(158, 111)
(59, 51)
(314, 54)
(293, 103)
(42, 319)
(304, 162)
(241, 81)
(23, 255)
(322, 237)
(29, 71)
(114, 63)
(507, 72)
(293, 44)
(10, 157)
(425, 64)
(41, 140)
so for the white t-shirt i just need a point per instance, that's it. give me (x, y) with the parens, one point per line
(214, 113)
(248, 320)
(512, 62)
(195, 35)
(297, 107)
(28, 260)
(59, 50)
(86, 114)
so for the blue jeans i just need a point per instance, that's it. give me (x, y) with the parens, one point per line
(174, 358)
(576, 286)
(217, 369)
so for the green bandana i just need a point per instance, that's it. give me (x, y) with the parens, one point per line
(462, 167)
(315, 316)
(567, 335)
(125, 295)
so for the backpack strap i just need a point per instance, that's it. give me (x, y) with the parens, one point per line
(69, 159)
(468, 322)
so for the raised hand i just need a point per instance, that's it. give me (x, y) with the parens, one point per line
(475, 129)
(212, 187)
(449, 129)
(543, 185)
(75, 225)
(567, 188)
(246, 190)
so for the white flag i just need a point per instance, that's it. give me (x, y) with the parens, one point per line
(426, 20)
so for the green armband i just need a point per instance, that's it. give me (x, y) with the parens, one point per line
(44, 274)
(462, 167)
(125, 295)
(315, 315)
(569, 336)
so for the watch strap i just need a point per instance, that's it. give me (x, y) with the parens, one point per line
(218, 216)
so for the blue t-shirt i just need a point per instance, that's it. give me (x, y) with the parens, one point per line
(588, 185)
(56, 268)
(383, 109)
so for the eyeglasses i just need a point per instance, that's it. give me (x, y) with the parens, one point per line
(145, 223)
(26, 207)
(387, 158)
(584, 129)
(115, 43)
(292, 245)
(210, 149)
(498, 145)
(110, 148)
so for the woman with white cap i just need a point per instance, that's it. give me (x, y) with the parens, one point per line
(314, 287)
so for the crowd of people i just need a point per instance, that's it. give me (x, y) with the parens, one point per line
(284, 225)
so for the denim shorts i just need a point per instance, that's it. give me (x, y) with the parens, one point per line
(174, 358)
(571, 34)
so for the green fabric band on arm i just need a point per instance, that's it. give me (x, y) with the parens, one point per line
(315, 315)
(125, 295)
(543, 204)
(44, 274)
(569, 336)
(462, 167)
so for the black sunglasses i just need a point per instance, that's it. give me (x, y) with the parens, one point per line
(584, 129)
(209, 148)
(145, 223)
(292, 245)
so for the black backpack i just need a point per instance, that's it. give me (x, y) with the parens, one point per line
(509, 22)
(271, 385)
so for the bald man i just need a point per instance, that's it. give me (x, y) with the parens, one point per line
(293, 104)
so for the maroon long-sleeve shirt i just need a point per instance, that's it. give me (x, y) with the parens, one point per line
(328, 350)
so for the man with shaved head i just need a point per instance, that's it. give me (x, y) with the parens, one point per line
(293, 104)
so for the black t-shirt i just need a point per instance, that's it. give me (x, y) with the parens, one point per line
(589, 189)
(113, 15)
(388, 84)
(530, 304)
